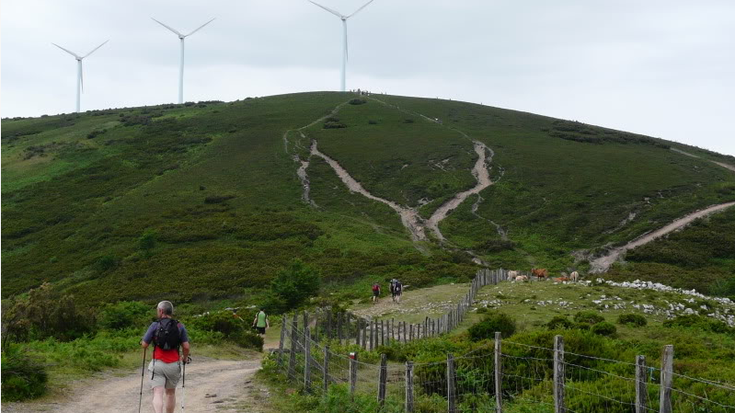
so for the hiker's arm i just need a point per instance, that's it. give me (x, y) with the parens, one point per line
(267, 323)
(185, 352)
(148, 337)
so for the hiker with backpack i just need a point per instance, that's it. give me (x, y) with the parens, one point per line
(261, 322)
(167, 335)
(376, 292)
(396, 289)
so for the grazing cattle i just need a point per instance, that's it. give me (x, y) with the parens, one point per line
(574, 276)
(512, 275)
(540, 272)
(520, 278)
(561, 279)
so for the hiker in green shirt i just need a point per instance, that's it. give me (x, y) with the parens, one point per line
(260, 322)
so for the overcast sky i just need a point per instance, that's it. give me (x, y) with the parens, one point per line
(664, 68)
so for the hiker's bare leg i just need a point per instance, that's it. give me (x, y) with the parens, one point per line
(170, 400)
(158, 399)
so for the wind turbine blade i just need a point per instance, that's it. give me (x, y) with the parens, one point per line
(170, 28)
(81, 74)
(360, 9)
(198, 28)
(336, 13)
(68, 51)
(95, 49)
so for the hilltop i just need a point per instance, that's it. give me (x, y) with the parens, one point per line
(208, 201)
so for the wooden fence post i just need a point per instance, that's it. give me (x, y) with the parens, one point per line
(372, 323)
(326, 369)
(451, 385)
(365, 334)
(498, 375)
(281, 341)
(667, 371)
(353, 374)
(307, 360)
(559, 406)
(641, 392)
(382, 379)
(329, 323)
(292, 356)
(306, 324)
(409, 387)
(358, 328)
(339, 326)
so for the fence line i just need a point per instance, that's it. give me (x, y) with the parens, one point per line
(492, 378)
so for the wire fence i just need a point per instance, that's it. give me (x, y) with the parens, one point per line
(506, 375)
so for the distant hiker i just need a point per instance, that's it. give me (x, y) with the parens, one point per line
(376, 292)
(396, 289)
(261, 322)
(167, 335)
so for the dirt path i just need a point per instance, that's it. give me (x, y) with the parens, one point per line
(481, 172)
(409, 216)
(211, 385)
(602, 264)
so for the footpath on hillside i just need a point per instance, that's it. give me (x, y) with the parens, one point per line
(211, 385)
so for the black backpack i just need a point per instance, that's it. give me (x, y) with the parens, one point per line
(168, 336)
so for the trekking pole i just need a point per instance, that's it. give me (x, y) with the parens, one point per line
(183, 383)
(142, 376)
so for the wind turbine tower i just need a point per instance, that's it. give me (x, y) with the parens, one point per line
(344, 36)
(80, 72)
(181, 63)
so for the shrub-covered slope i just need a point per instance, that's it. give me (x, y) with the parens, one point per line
(203, 201)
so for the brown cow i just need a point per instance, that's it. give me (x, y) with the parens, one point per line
(540, 272)
(561, 279)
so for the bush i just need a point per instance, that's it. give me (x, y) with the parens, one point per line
(225, 322)
(700, 323)
(147, 241)
(632, 319)
(46, 313)
(486, 328)
(294, 285)
(249, 339)
(22, 376)
(604, 329)
(124, 314)
(358, 101)
(559, 322)
(589, 317)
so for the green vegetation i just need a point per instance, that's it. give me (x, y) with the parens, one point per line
(293, 286)
(48, 338)
(700, 257)
(105, 204)
(632, 320)
(541, 310)
(495, 322)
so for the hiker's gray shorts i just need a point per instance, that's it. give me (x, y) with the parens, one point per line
(164, 374)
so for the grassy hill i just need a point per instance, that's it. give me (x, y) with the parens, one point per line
(202, 201)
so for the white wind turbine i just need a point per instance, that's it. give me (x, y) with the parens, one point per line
(344, 38)
(181, 64)
(80, 72)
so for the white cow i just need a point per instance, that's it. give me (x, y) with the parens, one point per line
(512, 275)
(520, 278)
(574, 276)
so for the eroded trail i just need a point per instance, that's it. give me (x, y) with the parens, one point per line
(409, 216)
(481, 172)
(211, 385)
(602, 264)
(412, 221)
